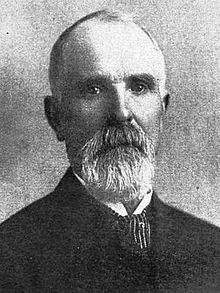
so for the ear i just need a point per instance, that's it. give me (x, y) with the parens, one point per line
(52, 112)
(166, 101)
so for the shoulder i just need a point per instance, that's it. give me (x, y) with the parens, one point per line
(45, 218)
(183, 227)
(28, 226)
(36, 243)
(193, 230)
(188, 249)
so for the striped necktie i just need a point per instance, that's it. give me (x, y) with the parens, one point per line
(134, 231)
(139, 230)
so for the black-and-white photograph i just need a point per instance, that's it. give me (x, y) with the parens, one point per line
(109, 146)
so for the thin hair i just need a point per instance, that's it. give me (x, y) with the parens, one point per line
(102, 16)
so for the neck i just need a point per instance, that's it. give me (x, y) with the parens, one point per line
(134, 206)
(131, 205)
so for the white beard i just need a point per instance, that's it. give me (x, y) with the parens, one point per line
(124, 170)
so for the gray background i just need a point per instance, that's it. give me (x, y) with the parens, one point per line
(32, 162)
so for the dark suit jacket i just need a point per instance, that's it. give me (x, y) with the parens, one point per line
(66, 242)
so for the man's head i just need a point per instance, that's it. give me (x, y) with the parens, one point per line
(107, 78)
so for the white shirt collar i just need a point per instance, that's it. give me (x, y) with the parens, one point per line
(119, 208)
(79, 178)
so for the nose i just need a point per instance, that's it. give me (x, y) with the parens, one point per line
(119, 108)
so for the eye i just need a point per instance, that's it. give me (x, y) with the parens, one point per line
(138, 87)
(94, 90)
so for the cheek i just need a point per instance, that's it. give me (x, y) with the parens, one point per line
(81, 121)
(148, 114)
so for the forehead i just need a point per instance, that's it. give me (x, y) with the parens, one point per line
(111, 49)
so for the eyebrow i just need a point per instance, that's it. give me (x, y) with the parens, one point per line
(145, 77)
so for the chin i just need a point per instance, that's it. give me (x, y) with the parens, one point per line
(118, 176)
(110, 196)
(117, 163)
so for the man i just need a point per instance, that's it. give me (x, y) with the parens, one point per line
(104, 229)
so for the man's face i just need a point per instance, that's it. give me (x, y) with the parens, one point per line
(109, 77)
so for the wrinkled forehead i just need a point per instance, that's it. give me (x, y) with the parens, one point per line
(113, 49)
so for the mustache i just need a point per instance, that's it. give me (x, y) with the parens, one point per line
(121, 135)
